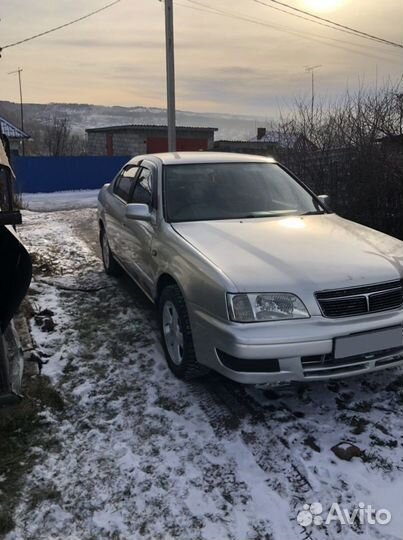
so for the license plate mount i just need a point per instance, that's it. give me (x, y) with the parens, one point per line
(368, 342)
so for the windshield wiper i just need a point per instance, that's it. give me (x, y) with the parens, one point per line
(275, 213)
(313, 213)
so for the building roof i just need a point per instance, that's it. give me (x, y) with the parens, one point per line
(11, 131)
(276, 137)
(186, 158)
(147, 127)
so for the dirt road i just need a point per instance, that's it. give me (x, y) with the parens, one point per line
(139, 454)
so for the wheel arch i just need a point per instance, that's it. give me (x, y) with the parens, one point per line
(189, 366)
(101, 226)
(165, 280)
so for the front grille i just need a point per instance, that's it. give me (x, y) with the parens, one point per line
(361, 300)
(326, 365)
(386, 300)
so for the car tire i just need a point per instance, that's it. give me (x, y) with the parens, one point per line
(176, 335)
(111, 266)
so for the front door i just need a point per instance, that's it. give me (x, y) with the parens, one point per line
(141, 233)
(122, 188)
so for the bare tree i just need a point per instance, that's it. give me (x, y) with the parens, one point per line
(352, 149)
(59, 140)
(56, 136)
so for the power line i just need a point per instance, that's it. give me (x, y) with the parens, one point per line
(196, 5)
(276, 27)
(345, 27)
(326, 22)
(59, 27)
(314, 37)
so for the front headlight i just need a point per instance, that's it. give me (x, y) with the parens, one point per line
(265, 307)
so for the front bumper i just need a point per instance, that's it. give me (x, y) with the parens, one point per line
(300, 350)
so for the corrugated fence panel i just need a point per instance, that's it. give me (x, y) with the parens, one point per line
(47, 174)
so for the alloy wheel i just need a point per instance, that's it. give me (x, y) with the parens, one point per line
(173, 335)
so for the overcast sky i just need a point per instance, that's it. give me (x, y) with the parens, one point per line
(223, 64)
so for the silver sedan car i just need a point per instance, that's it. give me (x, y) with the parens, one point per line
(253, 275)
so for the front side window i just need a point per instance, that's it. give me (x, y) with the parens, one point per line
(143, 192)
(210, 191)
(124, 182)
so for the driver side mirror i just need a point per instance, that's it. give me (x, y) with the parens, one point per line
(137, 211)
(325, 200)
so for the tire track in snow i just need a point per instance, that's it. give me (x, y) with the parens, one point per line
(229, 408)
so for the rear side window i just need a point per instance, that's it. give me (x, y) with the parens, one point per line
(143, 192)
(124, 183)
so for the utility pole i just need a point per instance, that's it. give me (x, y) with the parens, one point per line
(19, 70)
(311, 70)
(170, 64)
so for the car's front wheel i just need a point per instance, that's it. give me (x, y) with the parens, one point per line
(111, 266)
(177, 335)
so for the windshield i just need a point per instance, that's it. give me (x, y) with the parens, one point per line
(210, 191)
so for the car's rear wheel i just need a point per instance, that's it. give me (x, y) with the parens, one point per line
(111, 266)
(177, 335)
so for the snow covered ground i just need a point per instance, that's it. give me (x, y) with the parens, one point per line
(60, 200)
(142, 455)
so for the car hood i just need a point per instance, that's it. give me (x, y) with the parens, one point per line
(296, 254)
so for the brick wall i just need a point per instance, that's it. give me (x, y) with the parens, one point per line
(130, 143)
(96, 144)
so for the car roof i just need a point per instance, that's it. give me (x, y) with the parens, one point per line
(185, 158)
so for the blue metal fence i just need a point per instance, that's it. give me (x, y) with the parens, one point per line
(47, 174)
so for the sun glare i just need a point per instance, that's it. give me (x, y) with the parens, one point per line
(323, 5)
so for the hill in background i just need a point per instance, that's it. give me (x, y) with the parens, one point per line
(83, 116)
